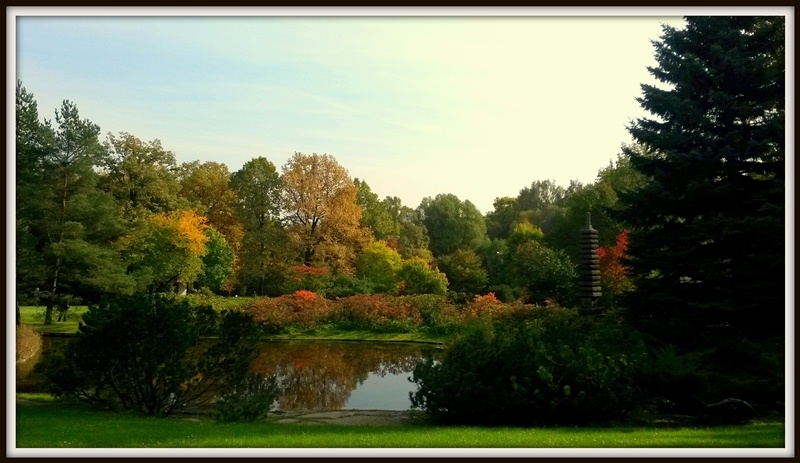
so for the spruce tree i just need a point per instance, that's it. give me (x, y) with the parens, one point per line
(707, 245)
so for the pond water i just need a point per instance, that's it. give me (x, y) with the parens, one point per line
(327, 375)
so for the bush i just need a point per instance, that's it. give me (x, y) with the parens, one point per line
(28, 344)
(303, 309)
(377, 313)
(144, 353)
(345, 285)
(538, 366)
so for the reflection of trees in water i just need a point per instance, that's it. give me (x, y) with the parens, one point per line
(322, 375)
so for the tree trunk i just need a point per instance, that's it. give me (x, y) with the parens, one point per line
(19, 316)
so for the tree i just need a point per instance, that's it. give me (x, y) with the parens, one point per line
(374, 214)
(207, 189)
(167, 250)
(707, 240)
(412, 239)
(319, 199)
(614, 279)
(464, 271)
(379, 264)
(141, 176)
(32, 142)
(545, 274)
(452, 224)
(67, 221)
(264, 252)
(217, 262)
(500, 221)
(417, 277)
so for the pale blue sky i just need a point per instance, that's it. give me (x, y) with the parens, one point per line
(475, 106)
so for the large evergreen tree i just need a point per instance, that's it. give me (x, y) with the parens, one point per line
(707, 244)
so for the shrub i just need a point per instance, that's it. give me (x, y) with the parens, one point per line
(377, 313)
(345, 285)
(144, 353)
(303, 309)
(545, 273)
(28, 344)
(546, 367)
(437, 313)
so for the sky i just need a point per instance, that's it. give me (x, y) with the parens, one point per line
(476, 106)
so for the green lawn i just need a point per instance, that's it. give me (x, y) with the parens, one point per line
(34, 316)
(55, 425)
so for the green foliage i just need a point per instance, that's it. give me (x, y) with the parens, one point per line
(141, 176)
(419, 278)
(264, 253)
(452, 224)
(464, 272)
(707, 235)
(217, 262)
(541, 367)
(545, 274)
(143, 353)
(380, 264)
(375, 214)
(412, 239)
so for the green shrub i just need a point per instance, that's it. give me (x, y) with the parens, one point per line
(535, 366)
(345, 285)
(144, 353)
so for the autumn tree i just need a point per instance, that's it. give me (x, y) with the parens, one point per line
(264, 251)
(614, 278)
(320, 202)
(166, 251)
(452, 224)
(142, 176)
(207, 189)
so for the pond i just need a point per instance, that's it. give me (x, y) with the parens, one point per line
(325, 375)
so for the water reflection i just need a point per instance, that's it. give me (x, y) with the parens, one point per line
(327, 375)
(317, 375)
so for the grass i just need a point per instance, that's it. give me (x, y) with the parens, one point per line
(57, 425)
(33, 316)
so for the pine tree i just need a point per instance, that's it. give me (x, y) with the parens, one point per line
(707, 242)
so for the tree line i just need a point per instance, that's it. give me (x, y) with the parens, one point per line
(121, 215)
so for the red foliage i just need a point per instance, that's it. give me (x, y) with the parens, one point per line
(614, 275)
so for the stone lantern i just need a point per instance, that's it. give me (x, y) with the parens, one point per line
(589, 280)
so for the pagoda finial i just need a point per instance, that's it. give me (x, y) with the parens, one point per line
(588, 220)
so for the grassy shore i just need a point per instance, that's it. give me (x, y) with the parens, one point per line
(34, 317)
(55, 425)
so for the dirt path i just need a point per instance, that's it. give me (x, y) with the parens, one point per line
(351, 417)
